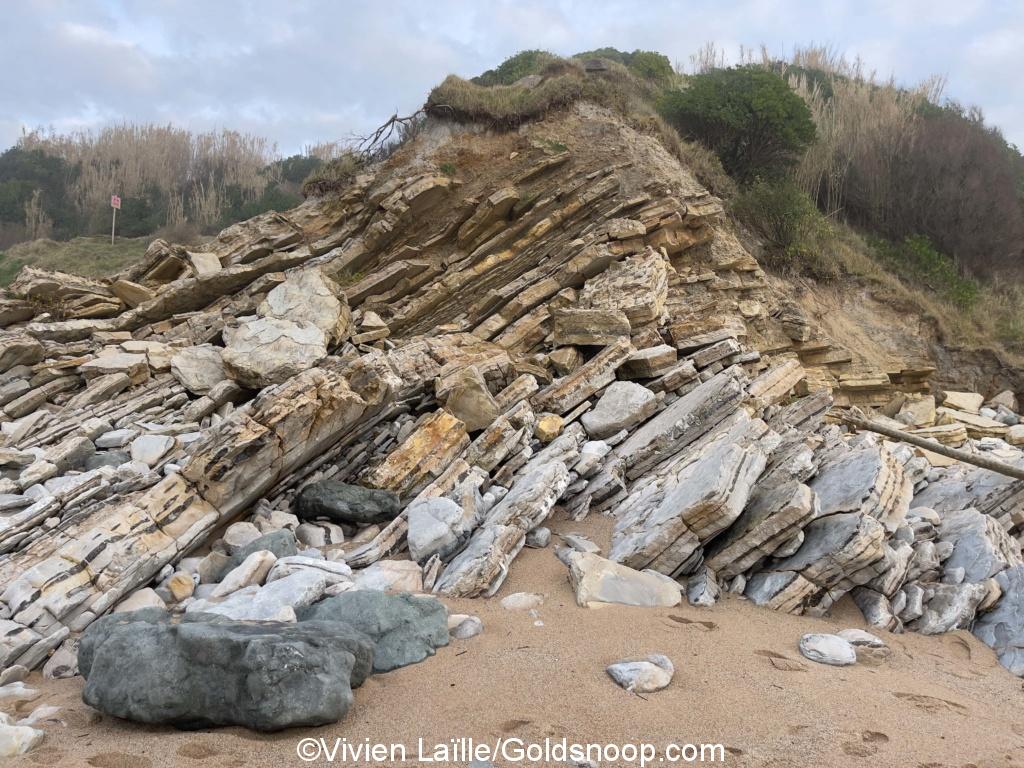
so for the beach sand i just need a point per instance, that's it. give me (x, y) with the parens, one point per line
(740, 681)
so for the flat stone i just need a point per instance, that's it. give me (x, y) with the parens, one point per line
(597, 580)
(522, 601)
(589, 326)
(391, 576)
(276, 601)
(463, 627)
(149, 449)
(252, 572)
(140, 598)
(968, 402)
(858, 637)
(828, 649)
(117, 438)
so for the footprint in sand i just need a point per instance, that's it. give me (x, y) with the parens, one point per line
(931, 704)
(198, 750)
(868, 744)
(514, 726)
(118, 760)
(46, 756)
(703, 626)
(781, 662)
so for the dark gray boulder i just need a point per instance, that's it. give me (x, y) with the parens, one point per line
(106, 459)
(406, 628)
(344, 503)
(282, 543)
(207, 671)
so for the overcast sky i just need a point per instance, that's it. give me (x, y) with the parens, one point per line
(300, 71)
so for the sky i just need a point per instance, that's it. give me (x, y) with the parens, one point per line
(301, 72)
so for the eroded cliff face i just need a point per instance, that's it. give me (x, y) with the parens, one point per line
(555, 317)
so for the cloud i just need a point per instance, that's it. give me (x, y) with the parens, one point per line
(307, 71)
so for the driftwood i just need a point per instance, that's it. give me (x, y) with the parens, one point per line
(857, 420)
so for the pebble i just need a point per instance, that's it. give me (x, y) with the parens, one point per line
(643, 676)
(857, 637)
(462, 626)
(522, 601)
(828, 649)
(538, 538)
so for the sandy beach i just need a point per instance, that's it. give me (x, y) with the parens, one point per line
(740, 682)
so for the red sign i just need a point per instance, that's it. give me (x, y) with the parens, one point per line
(115, 202)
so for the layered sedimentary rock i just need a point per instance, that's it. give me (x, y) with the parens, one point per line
(474, 353)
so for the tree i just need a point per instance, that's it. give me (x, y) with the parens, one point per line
(749, 116)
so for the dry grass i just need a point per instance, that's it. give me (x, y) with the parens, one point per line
(694, 156)
(564, 82)
(334, 176)
(89, 256)
(997, 319)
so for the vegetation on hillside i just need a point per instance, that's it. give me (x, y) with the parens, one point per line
(837, 172)
(59, 186)
(749, 116)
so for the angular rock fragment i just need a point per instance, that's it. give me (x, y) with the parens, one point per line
(662, 528)
(688, 418)
(837, 554)
(772, 517)
(481, 568)
(868, 480)
(622, 405)
(589, 327)
(264, 351)
(422, 457)
(199, 369)
(597, 581)
(566, 393)
(308, 296)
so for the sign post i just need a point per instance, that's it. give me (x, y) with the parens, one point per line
(115, 204)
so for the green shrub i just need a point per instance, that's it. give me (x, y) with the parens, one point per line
(515, 67)
(647, 64)
(750, 117)
(916, 259)
(797, 237)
